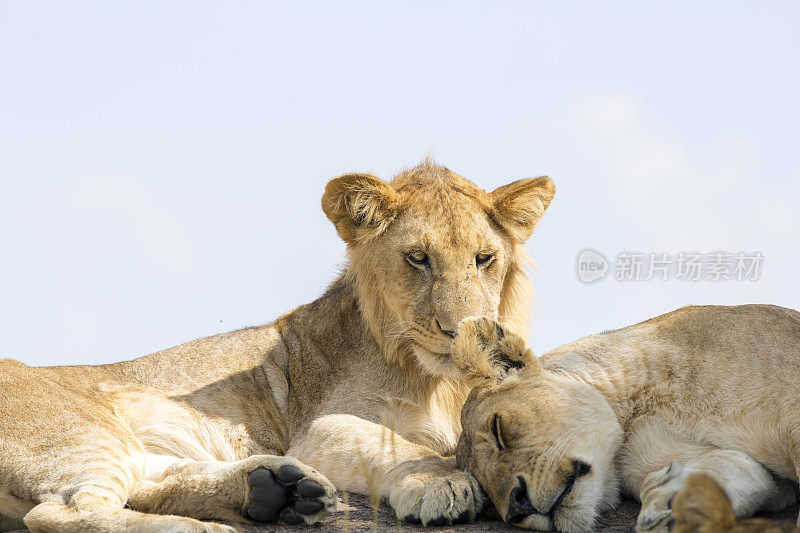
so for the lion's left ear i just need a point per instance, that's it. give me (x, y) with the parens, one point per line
(518, 206)
(361, 206)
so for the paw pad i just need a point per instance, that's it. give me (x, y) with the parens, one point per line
(284, 495)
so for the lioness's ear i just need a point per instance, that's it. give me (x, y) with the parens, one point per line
(361, 206)
(518, 206)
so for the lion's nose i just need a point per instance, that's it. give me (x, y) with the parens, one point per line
(519, 504)
(449, 332)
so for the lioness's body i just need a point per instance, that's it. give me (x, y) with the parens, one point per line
(725, 376)
(358, 384)
(709, 389)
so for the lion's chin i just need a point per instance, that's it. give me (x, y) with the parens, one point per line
(434, 363)
(536, 522)
(568, 520)
(575, 520)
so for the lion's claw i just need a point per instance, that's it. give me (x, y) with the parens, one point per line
(437, 498)
(658, 491)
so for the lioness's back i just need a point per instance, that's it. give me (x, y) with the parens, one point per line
(740, 331)
(769, 332)
(723, 361)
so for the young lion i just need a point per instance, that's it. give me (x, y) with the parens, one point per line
(358, 385)
(708, 389)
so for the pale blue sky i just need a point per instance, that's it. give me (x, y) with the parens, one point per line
(162, 162)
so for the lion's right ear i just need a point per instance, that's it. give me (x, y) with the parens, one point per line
(361, 206)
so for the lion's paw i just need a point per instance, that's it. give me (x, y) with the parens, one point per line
(658, 490)
(484, 347)
(432, 500)
(284, 489)
(483, 331)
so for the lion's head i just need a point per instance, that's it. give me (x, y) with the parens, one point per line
(540, 444)
(429, 249)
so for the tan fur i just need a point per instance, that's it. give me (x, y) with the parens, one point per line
(708, 389)
(359, 384)
(703, 507)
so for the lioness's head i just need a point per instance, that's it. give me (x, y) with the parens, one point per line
(430, 248)
(540, 444)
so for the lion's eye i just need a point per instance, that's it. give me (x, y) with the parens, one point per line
(497, 431)
(484, 259)
(417, 258)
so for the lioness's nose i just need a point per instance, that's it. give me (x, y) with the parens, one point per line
(449, 332)
(519, 504)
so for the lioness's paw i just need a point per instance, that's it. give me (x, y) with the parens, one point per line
(658, 491)
(433, 500)
(284, 489)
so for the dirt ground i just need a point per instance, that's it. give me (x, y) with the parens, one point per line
(358, 517)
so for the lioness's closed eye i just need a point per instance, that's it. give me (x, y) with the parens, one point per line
(554, 441)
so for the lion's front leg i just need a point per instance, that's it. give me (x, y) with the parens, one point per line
(261, 488)
(367, 458)
(431, 491)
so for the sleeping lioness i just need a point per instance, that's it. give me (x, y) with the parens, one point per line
(355, 390)
(702, 389)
